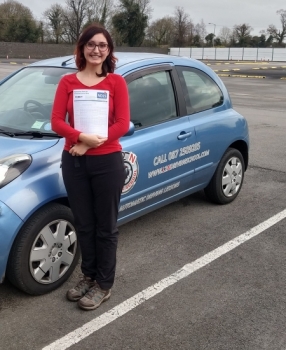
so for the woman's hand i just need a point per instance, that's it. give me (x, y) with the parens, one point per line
(78, 149)
(92, 140)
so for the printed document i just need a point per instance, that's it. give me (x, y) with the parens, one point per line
(91, 109)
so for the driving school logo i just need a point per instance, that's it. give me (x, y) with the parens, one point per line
(102, 95)
(132, 170)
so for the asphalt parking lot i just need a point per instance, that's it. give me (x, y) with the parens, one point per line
(243, 69)
(192, 275)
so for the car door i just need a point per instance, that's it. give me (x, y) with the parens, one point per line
(212, 120)
(157, 155)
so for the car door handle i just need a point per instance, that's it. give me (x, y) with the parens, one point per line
(184, 135)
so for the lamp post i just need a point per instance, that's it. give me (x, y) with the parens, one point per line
(214, 31)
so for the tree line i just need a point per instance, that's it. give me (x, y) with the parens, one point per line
(129, 22)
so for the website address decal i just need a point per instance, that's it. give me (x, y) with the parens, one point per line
(177, 164)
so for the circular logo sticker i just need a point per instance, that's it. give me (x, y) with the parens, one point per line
(132, 170)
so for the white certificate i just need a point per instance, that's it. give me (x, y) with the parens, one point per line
(91, 109)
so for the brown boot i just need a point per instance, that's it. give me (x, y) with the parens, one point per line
(94, 297)
(82, 287)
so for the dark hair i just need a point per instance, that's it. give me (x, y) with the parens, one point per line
(108, 65)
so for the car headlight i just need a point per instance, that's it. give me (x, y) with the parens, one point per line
(13, 166)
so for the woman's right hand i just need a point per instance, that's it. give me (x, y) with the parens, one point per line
(92, 140)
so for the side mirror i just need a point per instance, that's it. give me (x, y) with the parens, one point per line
(131, 130)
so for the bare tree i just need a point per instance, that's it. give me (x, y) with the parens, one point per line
(11, 8)
(182, 27)
(232, 39)
(75, 17)
(160, 31)
(278, 35)
(100, 11)
(242, 33)
(55, 22)
(145, 7)
(200, 31)
(225, 35)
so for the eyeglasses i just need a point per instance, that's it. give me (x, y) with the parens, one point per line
(90, 45)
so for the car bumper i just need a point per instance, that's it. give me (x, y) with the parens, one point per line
(9, 227)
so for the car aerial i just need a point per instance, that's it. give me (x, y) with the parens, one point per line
(184, 137)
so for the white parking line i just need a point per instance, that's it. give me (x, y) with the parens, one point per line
(87, 329)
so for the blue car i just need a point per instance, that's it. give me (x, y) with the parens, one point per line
(184, 136)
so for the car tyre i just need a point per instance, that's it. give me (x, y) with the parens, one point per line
(227, 180)
(45, 251)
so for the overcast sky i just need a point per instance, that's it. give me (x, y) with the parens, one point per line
(257, 13)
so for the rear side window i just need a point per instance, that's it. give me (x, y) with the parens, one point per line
(152, 99)
(200, 91)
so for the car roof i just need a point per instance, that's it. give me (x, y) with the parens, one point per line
(124, 58)
(129, 61)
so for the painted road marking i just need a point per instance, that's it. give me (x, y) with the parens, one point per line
(25, 64)
(97, 323)
(250, 63)
(242, 76)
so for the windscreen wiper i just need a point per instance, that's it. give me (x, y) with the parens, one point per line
(37, 134)
(8, 133)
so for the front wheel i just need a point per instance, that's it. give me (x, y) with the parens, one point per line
(45, 251)
(227, 180)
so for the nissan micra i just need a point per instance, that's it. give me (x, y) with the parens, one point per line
(184, 137)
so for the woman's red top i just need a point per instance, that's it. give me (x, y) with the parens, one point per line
(119, 111)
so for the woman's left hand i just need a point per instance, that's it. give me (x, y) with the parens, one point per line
(78, 149)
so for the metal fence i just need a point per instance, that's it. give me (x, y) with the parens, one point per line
(231, 53)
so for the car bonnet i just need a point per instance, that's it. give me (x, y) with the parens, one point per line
(13, 145)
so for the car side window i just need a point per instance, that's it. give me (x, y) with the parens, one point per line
(200, 91)
(152, 99)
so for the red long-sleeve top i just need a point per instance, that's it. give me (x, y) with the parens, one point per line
(119, 111)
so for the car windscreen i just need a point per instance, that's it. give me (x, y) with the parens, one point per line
(26, 99)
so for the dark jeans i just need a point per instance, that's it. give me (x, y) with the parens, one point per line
(94, 185)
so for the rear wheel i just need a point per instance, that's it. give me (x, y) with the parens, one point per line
(45, 251)
(227, 180)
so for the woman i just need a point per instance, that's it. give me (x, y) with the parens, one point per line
(92, 164)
